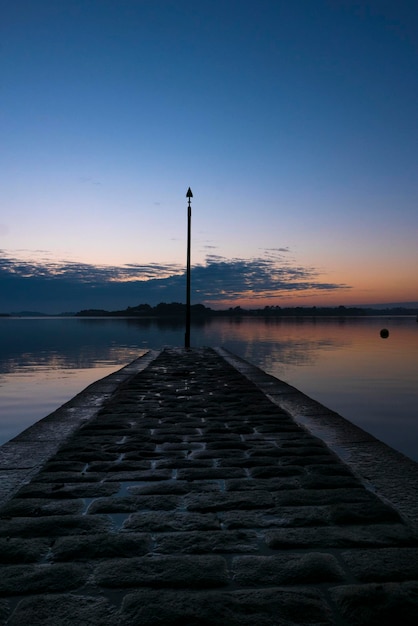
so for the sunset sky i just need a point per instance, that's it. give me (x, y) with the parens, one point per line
(294, 123)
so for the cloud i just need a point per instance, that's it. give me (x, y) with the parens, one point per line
(48, 285)
(43, 266)
(256, 279)
(275, 250)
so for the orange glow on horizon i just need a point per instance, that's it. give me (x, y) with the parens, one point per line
(354, 298)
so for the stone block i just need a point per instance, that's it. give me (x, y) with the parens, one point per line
(260, 607)
(16, 550)
(162, 571)
(235, 500)
(331, 469)
(54, 526)
(28, 579)
(268, 484)
(61, 491)
(64, 610)
(101, 546)
(310, 460)
(318, 497)
(118, 466)
(312, 481)
(209, 542)
(226, 443)
(386, 564)
(232, 520)
(179, 487)
(273, 471)
(378, 604)
(28, 507)
(211, 473)
(222, 455)
(63, 466)
(373, 536)
(133, 504)
(171, 522)
(290, 569)
(373, 511)
(67, 477)
(87, 455)
(146, 475)
(190, 462)
(284, 517)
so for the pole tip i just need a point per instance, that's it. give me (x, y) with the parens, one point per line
(189, 193)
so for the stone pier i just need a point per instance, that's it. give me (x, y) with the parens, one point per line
(191, 488)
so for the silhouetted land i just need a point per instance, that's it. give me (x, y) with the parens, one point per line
(177, 309)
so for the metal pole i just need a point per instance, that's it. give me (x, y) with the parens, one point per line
(189, 195)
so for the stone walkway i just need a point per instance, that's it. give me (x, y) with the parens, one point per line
(192, 499)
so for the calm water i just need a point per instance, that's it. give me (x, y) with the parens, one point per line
(342, 362)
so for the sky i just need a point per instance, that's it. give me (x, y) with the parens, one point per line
(294, 124)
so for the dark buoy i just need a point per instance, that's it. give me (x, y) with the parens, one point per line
(384, 333)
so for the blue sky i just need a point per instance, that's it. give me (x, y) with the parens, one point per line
(294, 123)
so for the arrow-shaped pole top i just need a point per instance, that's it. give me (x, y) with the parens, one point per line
(189, 193)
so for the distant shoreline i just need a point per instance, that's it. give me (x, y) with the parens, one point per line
(199, 311)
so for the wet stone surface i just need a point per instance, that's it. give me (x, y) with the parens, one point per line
(191, 498)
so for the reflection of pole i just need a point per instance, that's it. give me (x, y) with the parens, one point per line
(189, 195)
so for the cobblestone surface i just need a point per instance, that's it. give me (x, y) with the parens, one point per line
(191, 498)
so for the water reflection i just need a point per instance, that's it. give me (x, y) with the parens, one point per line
(277, 343)
(77, 343)
(342, 362)
(347, 366)
(73, 343)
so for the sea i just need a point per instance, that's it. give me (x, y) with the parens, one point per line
(343, 362)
